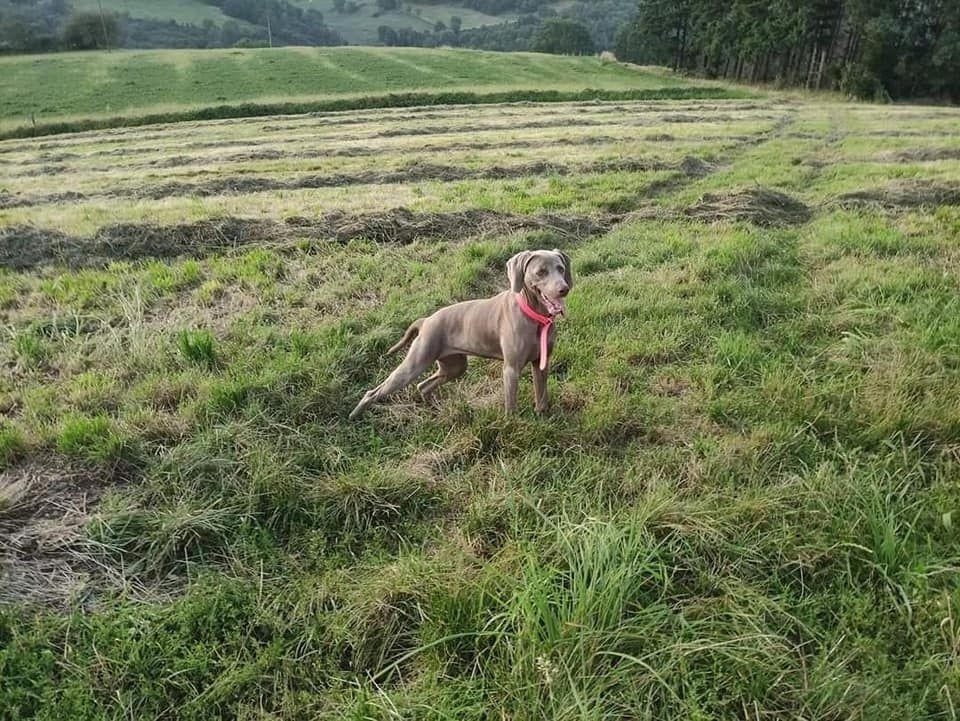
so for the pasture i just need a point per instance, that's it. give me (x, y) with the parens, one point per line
(64, 92)
(742, 505)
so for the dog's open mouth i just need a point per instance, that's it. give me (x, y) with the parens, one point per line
(554, 306)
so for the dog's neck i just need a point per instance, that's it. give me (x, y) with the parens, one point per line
(544, 322)
(533, 300)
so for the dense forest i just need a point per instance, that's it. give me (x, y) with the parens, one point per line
(873, 49)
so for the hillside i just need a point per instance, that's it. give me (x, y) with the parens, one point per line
(37, 92)
(483, 24)
(357, 26)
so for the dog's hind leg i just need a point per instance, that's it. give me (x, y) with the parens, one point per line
(449, 368)
(418, 359)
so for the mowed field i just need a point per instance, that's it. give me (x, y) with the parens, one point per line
(69, 91)
(743, 504)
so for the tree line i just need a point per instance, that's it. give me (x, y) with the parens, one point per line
(49, 25)
(872, 49)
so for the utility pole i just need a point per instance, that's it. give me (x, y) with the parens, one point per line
(269, 32)
(103, 25)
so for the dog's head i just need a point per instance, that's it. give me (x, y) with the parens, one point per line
(546, 273)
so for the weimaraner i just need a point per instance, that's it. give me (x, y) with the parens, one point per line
(513, 325)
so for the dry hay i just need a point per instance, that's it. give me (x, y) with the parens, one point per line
(24, 247)
(43, 551)
(696, 167)
(760, 206)
(401, 226)
(414, 172)
(920, 155)
(181, 161)
(903, 194)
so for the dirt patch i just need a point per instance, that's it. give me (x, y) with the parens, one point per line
(759, 206)
(44, 554)
(904, 195)
(26, 247)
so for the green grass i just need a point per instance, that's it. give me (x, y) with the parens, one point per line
(742, 505)
(117, 88)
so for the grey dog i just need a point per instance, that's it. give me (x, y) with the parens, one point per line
(515, 326)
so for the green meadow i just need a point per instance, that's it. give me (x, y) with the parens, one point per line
(742, 505)
(121, 87)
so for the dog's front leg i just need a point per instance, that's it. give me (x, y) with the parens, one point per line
(540, 390)
(511, 376)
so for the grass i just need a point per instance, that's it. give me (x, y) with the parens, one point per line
(742, 505)
(75, 91)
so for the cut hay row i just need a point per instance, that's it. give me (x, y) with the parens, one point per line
(27, 247)
(295, 155)
(339, 126)
(414, 173)
(24, 247)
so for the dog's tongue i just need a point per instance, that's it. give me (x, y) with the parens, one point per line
(555, 306)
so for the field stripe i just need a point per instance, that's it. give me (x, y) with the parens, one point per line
(26, 247)
(243, 184)
(393, 100)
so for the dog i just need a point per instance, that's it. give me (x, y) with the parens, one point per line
(515, 326)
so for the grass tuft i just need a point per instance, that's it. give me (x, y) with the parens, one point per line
(198, 347)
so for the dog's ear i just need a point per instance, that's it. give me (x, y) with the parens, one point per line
(567, 267)
(517, 268)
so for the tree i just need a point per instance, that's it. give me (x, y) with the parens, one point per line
(563, 37)
(87, 30)
(456, 22)
(866, 48)
(230, 33)
(387, 35)
(339, 5)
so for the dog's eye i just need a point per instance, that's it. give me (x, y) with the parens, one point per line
(541, 272)
(559, 268)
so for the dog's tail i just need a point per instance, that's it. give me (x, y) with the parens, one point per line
(412, 331)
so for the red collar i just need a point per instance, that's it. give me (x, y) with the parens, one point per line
(544, 321)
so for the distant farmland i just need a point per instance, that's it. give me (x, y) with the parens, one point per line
(119, 87)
